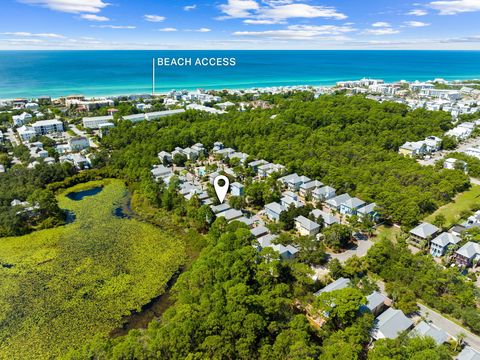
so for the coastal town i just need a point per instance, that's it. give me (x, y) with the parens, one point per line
(300, 215)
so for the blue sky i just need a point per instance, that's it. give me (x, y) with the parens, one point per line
(240, 24)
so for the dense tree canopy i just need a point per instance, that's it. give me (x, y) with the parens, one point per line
(349, 143)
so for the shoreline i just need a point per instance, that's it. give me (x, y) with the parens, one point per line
(213, 88)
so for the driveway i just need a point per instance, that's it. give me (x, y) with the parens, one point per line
(360, 249)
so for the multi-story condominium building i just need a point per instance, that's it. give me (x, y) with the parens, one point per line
(96, 121)
(47, 126)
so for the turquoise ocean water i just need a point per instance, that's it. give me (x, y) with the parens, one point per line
(95, 73)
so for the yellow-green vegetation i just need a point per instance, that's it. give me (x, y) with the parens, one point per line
(387, 232)
(60, 287)
(456, 210)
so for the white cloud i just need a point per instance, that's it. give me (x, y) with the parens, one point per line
(27, 34)
(189, 7)
(114, 26)
(299, 32)
(168, 29)
(417, 12)
(452, 7)
(276, 11)
(284, 12)
(202, 30)
(381, 24)
(33, 41)
(70, 6)
(416, 24)
(381, 31)
(239, 8)
(93, 17)
(262, 22)
(154, 18)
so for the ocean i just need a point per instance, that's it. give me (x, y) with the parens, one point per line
(96, 73)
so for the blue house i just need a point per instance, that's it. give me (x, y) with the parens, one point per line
(350, 206)
(273, 211)
(237, 189)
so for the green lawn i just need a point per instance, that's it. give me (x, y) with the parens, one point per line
(462, 202)
(389, 232)
(61, 287)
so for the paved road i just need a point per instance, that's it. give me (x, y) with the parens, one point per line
(449, 326)
(12, 138)
(360, 250)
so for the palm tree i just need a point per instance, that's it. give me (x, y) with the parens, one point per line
(460, 337)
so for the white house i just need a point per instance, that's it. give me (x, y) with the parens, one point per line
(26, 133)
(22, 119)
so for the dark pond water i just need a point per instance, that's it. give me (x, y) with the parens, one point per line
(79, 195)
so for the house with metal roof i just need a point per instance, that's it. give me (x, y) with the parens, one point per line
(259, 231)
(335, 202)
(340, 283)
(231, 214)
(273, 211)
(469, 353)
(468, 254)
(368, 211)
(376, 303)
(424, 329)
(328, 219)
(442, 242)
(220, 208)
(323, 193)
(306, 227)
(350, 206)
(390, 324)
(286, 252)
(308, 187)
(423, 233)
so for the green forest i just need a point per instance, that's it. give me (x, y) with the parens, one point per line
(236, 303)
(349, 143)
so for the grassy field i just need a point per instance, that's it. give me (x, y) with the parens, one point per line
(61, 287)
(462, 202)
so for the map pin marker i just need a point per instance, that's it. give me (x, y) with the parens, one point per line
(221, 190)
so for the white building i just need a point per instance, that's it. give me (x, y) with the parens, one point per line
(95, 121)
(26, 133)
(47, 126)
(78, 143)
(22, 119)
